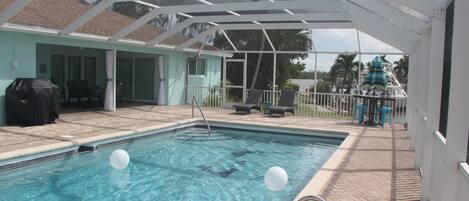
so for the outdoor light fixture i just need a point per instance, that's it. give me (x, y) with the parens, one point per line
(14, 64)
(288, 11)
(233, 13)
(205, 2)
(185, 15)
(146, 4)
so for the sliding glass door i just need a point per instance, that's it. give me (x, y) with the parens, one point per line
(73, 68)
(58, 70)
(89, 70)
(138, 77)
(145, 79)
(125, 76)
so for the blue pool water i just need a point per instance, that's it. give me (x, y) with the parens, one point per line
(181, 165)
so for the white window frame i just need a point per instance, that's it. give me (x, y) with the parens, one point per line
(196, 67)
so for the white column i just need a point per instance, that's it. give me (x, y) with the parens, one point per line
(422, 100)
(412, 94)
(162, 89)
(359, 60)
(458, 111)
(274, 78)
(245, 72)
(110, 96)
(435, 75)
(224, 79)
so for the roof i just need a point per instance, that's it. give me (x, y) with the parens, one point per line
(55, 14)
(398, 23)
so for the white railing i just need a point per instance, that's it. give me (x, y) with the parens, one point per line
(206, 96)
(321, 105)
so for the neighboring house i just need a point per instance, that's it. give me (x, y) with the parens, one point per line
(45, 55)
(305, 84)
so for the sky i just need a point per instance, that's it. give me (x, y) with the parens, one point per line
(339, 40)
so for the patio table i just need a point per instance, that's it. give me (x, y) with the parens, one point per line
(372, 104)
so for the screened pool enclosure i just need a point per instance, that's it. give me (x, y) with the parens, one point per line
(210, 50)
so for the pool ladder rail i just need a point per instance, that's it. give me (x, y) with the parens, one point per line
(194, 100)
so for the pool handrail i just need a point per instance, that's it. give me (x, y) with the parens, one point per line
(194, 100)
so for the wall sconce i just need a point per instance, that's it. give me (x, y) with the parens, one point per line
(14, 64)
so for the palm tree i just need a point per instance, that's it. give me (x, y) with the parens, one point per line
(345, 67)
(258, 65)
(401, 69)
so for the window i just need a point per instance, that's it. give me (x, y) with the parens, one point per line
(446, 81)
(197, 69)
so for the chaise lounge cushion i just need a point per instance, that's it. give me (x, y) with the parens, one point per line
(253, 101)
(245, 106)
(285, 104)
(280, 109)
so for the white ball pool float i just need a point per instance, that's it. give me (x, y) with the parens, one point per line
(119, 159)
(276, 178)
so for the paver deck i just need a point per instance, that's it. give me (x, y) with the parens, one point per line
(377, 166)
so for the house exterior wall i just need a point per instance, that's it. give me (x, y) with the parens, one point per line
(22, 48)
(44, 53)
(19, 47)
(441, 159)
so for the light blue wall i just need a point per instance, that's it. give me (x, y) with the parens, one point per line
(22, 47)
(212, 78)
(44, 53)
(19, 47)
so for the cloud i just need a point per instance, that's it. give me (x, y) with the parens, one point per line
(340, 40)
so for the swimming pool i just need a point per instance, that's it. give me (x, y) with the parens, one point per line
(184, 164)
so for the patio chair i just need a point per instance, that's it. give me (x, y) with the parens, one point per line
(253, 102)
(73, 91)
(285, 104)
(385, 114)
(90, 92)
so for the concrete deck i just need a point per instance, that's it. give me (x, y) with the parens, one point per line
(377, 164)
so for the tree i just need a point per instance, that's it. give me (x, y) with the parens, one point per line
(295, 69)
(252, 40)
(292, 86)
(323, 87)
(321, 75)
(346, 68)
(258, 65)
(401, 69)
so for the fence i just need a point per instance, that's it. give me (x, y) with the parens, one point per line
(206, 96)
(321, 105)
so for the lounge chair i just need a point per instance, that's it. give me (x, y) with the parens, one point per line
(253, 102)
(285, 104)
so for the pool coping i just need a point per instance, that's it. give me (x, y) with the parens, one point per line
(314, 187)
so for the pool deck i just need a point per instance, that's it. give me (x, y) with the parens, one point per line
(372, 163)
